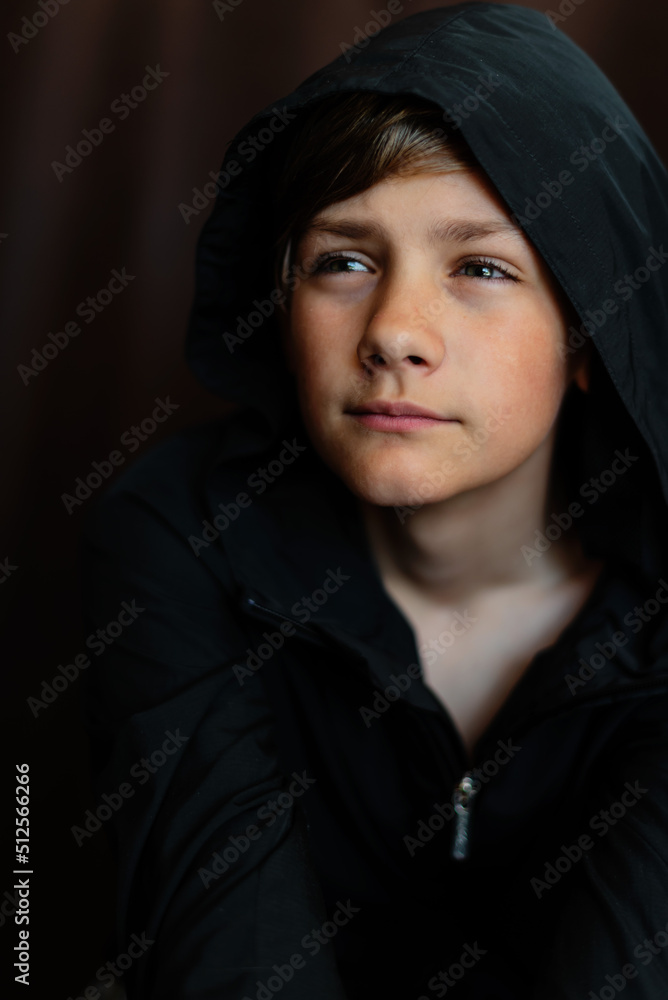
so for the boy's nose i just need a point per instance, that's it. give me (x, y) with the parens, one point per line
(381, 361)
(404, 332)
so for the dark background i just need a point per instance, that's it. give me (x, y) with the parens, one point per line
(59, 241)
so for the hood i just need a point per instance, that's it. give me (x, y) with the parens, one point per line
(576, 171)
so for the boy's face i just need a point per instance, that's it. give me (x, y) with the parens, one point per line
(429, 297)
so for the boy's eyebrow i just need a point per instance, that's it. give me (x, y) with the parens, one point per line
(455, 230)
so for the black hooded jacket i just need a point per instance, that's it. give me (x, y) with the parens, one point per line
(283, 790)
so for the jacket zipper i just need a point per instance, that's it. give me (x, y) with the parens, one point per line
(462, 800)
(464, 792)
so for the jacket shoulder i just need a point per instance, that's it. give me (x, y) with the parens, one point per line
(146, 517)
(167, 471)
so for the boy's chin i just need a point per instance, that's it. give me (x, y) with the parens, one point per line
(397, 490)
(396, 478)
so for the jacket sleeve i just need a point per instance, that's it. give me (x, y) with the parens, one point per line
(612, 929)
(212, 900)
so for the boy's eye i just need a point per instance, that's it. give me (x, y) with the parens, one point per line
(485, 269)
(348, 265)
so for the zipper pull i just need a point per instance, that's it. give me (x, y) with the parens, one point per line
(462, 800)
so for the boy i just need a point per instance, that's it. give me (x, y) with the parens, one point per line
(391, 603)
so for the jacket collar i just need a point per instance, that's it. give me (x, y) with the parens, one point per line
(299, 551)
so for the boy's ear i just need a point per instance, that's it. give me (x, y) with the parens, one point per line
(581, 372)
(582, 376)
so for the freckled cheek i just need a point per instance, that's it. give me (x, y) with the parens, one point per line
(318, 352)
(322, 346)
(521, 370)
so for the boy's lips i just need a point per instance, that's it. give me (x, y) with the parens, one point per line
(397, 409)
(383, 415)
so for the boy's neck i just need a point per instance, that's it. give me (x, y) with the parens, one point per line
(478, 541)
